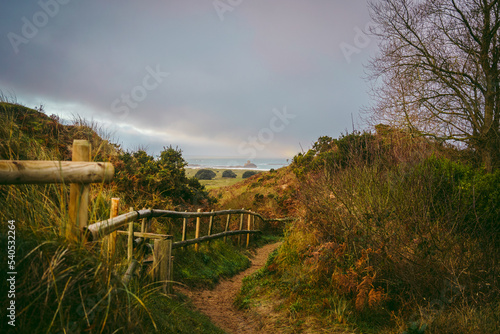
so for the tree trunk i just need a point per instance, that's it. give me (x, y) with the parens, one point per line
(487, 160)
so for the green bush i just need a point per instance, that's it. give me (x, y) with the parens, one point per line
(162, 182)
(229, 174)
(205, 174)
(468, 197)
(249, 173)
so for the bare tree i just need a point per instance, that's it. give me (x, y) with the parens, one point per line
(438, 70)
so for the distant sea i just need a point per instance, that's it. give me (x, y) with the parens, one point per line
(236, 163)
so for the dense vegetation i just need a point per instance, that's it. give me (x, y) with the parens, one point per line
(249, 173)
(229, 173)
(161, 182)
(64, 287)
(205, 174)
(394, 234)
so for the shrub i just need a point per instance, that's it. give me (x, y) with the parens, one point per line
(146, 181)
(249, 173)
(229, 174)
(205, 174)
(393, 228)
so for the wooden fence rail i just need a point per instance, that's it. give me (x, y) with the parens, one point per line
(163, 244)
(185, 243)
(98, 230)
(44, 172)
(80, 172)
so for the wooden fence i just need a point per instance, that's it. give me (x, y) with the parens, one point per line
(164, 244)
(80, 172)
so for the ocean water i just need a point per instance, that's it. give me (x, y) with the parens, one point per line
(236, 163)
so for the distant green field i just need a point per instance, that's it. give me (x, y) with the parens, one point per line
(217, 181)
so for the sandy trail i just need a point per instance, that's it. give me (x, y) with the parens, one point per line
(218, 303)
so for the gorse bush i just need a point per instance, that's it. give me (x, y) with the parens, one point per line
(161, 182)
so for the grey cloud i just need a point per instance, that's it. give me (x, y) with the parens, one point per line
(225, 77)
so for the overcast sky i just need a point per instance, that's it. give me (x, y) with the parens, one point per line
(239, 78)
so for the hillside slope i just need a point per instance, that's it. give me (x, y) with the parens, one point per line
(393, 233)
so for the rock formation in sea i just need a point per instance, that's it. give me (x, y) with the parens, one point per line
(249, 165)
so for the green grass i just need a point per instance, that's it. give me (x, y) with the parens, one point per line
(293, 300)
(205, 267)
(214, 260)
(218, 181)
(175, 314)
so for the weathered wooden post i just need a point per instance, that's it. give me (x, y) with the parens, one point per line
(184, 227)
(147, 226)
(197, 232)
(249, 224)
(134, 264)
(210, 224)
(162, 257)
(227, 225)
(78, 194)
(253, 223)
(130, 243)
(241, 227)
(111, 238)
(143, 223)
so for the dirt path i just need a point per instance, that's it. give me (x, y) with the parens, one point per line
(218, 303)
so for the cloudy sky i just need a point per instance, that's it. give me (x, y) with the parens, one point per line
(239, 78)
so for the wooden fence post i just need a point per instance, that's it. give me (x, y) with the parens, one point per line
(162, 257)
(241, 227)
(184, 228)
(249, 223)
(134, 264)
(227, 225)
(210, 225)
(78, 194)
(197, 232)
(111, 238)
(253, 223)
(143, 223)
(149, 221)
(130, 244)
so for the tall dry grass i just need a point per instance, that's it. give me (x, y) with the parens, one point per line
(403, 233)
(61, 287)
